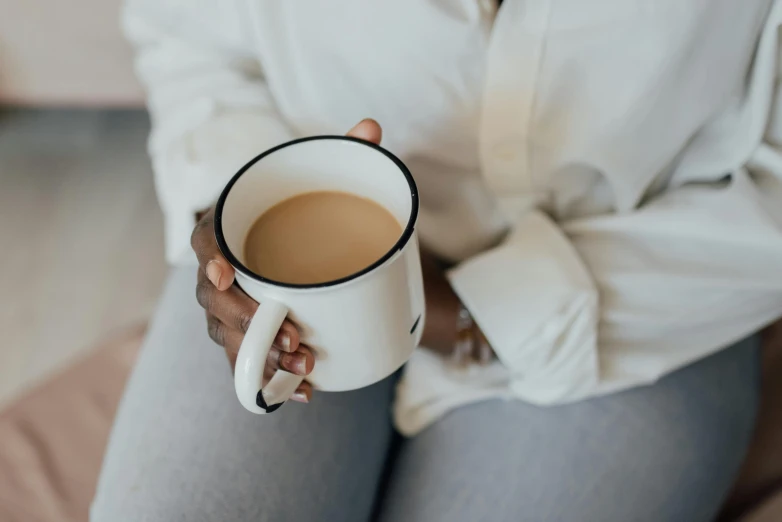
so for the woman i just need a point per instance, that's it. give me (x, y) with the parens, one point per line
(602, 180)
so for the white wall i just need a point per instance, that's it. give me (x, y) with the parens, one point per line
(65, 53)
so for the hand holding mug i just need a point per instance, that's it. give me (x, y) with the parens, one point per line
(361, 326)
(229, 312)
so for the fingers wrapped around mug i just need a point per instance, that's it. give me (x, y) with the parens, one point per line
(229, 313)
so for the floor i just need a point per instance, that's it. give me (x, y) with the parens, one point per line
(81, 235)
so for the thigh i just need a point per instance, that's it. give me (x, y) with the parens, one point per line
(668, 451)
(182, 447)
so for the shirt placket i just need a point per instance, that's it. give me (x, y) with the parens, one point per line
(514, 56)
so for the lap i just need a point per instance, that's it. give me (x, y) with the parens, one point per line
(184, 449)
(668, 451)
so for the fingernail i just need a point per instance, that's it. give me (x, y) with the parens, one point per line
(213, 272)
(283, 341)
(300, 396)
(294, 363)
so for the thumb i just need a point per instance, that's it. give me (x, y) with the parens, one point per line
(367, 130)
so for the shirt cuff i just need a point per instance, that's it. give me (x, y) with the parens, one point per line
(536, 303)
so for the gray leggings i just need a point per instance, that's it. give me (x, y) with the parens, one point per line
(183, 449)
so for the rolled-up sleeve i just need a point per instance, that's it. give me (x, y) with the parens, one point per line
(536, 303)
(691, 273)
(619, 300)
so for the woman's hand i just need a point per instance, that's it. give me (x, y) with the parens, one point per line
(442, 314)
(229, 310)
(442, 308)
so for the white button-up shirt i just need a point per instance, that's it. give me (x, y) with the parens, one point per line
(605, 173)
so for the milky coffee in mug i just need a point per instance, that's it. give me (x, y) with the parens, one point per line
(318, 237)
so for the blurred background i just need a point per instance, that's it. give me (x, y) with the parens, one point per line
(82, 247)
(81, 224)
(82, 236)
(81, 221)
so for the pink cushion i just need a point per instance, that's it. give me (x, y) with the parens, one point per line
(52, 439)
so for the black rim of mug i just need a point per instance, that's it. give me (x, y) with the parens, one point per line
(399, 245)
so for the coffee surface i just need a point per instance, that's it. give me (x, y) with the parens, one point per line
(319, 237)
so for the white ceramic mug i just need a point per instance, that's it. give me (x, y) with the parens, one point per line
(362, 327)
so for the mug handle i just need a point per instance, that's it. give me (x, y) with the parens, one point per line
(251, 361)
